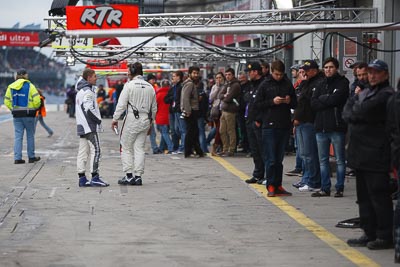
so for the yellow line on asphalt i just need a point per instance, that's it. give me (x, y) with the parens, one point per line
(337, 244)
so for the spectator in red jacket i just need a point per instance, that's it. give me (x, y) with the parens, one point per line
(162, 116)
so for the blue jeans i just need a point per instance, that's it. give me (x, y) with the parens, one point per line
(164, 130)
(324, 140)
(201, 123)
(180, 129)
(40, 119)
(299, 161)
(307, 146)
(174, 134)
(21, 124)
(274, 142)
(153, 141)
(211, 135)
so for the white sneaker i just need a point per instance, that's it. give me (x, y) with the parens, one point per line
(306, 188)
(264, 182)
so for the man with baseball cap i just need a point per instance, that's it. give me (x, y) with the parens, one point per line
(254, 70)
(22, 98)
(303, 121)
(369, 155)
(253, 66)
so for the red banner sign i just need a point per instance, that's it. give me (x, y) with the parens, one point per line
(102, 17)
(19, 38)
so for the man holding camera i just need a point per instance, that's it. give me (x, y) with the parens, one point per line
(190, 112)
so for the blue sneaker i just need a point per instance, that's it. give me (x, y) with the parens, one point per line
(96, 181)
(83, 182)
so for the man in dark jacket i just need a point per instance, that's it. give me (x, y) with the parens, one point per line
(253, 132)
(230, 106)
(369, 155)
(303, 120)
(393, 126)
(328, 102)
(272, 105)
(177, 124)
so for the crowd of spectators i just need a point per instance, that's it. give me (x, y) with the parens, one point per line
(45, 72)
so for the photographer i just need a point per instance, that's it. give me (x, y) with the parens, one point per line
(190, 112)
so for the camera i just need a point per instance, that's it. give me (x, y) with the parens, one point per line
(183, 115)
(361, 84)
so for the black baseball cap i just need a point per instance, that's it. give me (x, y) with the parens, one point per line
(253, 66)
(310, 64)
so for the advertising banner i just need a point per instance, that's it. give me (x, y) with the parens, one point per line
(19, 38)
(102, 17)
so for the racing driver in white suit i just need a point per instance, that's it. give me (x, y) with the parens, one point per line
(138, 99)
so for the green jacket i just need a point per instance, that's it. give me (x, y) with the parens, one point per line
(24, 97)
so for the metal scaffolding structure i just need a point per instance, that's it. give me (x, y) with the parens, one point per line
(165, 54)
(315, 20)
(230, 22)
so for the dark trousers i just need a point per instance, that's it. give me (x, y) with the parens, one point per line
(255, 145)
(397, 220)
(242, 132)
(192, 135)
(375, 204)
(274, 142)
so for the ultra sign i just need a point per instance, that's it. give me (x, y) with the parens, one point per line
(102, 17)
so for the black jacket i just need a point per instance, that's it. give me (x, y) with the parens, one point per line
(173, 98)
(271, 115)
(245, 88)
(304, 113)
(249, 98)
(393, 128)
(328, 101)
(369, 148)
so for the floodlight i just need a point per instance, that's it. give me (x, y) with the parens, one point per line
(283, 4)
(46, 37)
(58, 7)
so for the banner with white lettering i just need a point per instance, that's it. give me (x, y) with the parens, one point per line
(102, 17)
(19, 38)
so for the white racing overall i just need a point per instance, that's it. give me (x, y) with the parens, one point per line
(138, 99)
